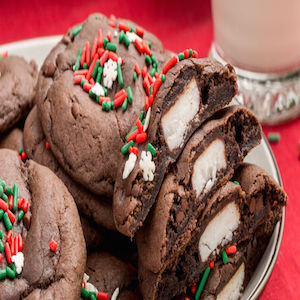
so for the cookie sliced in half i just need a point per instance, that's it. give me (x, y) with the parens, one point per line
(96, 208)
(193, 90)
(222, 225)
(42, 245)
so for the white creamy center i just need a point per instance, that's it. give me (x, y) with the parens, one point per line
(207, 165)
(176, 120)
(232, 290)
(219, 230)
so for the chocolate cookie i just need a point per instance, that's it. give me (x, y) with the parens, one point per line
(193, 90)
(207, 162)
(230, 219)
(85, 137)
(17, 90)
(12, 140)
(44, 251)
(96, 208)
(107, 275)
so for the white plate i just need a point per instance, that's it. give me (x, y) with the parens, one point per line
(262, 156)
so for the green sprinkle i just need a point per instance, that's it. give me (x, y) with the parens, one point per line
(151, 149)
(1, 245)
(97, 99)
(20, 215)
(120, 77)
(76, 30)
(2, 183)
(99, 74)
(1, 190)
(85, 66)
(2, 274)
(148, 60)
(20, 150)
(10, 273)
(4, 197)
(132, 29)
(134, 76)
(84, 293)
(91, 94)
(9, 190)
(131, 131)
(149, 43)
(104, 105)
(163, 77)
(83, 80)
(191, 52)
(143, 122)
(141, 116)
(77, 63)
(129, 93)
(1, 214)
(154, 61)
(224, 257)
(236, 182)
(1, 234)
(1, 57)
(274, 137)
(151, 89)
(202, 283)
(13, 267)
(126, 40)
(15, 199)
(7, 222)
(180, 56)
(125, 148)
(124, 105)
(111, 47)
(93, 296)
(152, 72)
(105, 41)
(95, 70)
(121, 36)
(105, 90)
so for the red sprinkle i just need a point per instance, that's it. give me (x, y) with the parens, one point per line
(146, 103)
(146, 47)
(9, 236)
(20, 202)
(109, 35)
(211, 264)
(47, 145)
(137, 69)
(23, 156)
(11, 216)
(141, 137)
(100, 51)
(186, 53)
(7, 252)
(113, 56)
(156, 86)
(10, 201)
(119, 100)
(144, 71)
(3, 205)
(195, 54)
(20, 242)
(132, 136)
(12, 247)
(139, 31)
(0, 257)
(78, 78)
(87, 87)
(139, 125)
(82, 58)
(124, 27)
(92, 81)
(121, 92)
(150, 100)
(193, 289)
(186, 298)
(16, 244)
(102, 99)
(25, 205)
(100, 38)
(104, 58)
(80, 72)
(139, 46)
(4, 54)
(94, 48)
(231, 250)
(88, 53)
(135, 151)
(52, 245)
(112, 17)
(170, 64)
(112, 24)
(92, 66)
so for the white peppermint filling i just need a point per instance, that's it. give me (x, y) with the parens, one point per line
(109, 73)
(90, 287)
(147, 120)
(129, 165)
(207, 165)
(133, 36)
(98, 90)
(147, 165)
(233, 289)
(219, 230)
(115, 294)
(176, 120)
(18, 260)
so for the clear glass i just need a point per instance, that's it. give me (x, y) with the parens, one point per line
(261, 38)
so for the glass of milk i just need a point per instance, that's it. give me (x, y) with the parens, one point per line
(261, 39)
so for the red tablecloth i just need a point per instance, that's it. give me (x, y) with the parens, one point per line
(180, 24)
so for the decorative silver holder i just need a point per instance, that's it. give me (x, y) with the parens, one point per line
(274, 98)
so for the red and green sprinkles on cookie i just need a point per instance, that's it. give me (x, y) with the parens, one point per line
(3, 54)
(11, 209)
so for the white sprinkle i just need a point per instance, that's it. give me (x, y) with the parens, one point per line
(90, 287)
(147, 165)
(147, 119)
(86, 277)
(129, 165)
(109, 73)
(132, 37)
(98, 90)
(115, 33)
(18, 260)
(115, 294)
(119, 60)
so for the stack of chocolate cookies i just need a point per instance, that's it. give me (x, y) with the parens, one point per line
(143, 142)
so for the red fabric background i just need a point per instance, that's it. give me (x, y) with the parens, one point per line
(180, 24)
